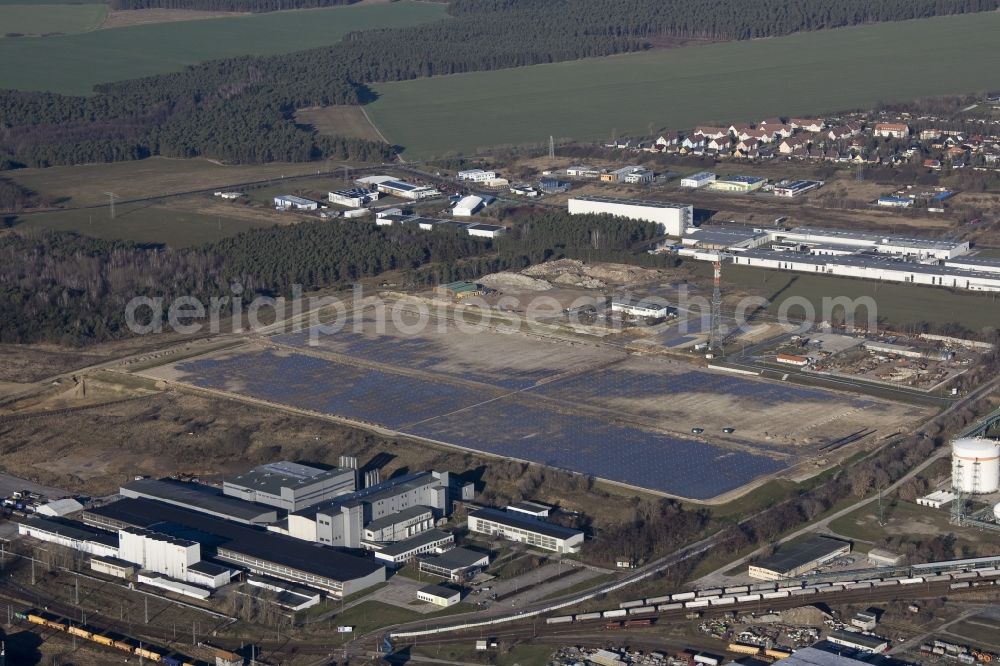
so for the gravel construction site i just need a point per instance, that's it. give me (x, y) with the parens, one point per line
(573, 402)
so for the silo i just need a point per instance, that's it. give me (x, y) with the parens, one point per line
(975, 465)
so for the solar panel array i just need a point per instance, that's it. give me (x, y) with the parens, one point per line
(420, 353)
(510, 426)
(633, 383)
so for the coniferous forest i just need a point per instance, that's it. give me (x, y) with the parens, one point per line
(240, 110)
(70, 289)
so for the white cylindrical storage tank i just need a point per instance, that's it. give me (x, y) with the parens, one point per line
(975, 465)
(996, 512)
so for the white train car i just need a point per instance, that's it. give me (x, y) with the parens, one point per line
(683, 596)
(621, 612)
(911, 581)
(652, 601)
(642, 610)
(697, 603)
(562, 619)
(746, 598)
(804, 591)
(723, 601)
(632, 604)
(860, 585)
(739, 589)
(670, 607)
(588, 616)
(778, 594)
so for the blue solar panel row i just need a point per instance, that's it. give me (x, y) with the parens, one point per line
(417, 353)
(509, 427)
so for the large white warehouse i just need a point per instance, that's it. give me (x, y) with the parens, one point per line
(672, 218)
(975, 465)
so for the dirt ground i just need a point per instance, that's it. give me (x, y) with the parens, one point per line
(130, 17)
(339, 121)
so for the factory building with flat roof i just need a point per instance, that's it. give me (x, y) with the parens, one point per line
(253, 548)
(456, 565)
(201, 498)
(70, 534)
(341, 522)
(672, 219)
(531, 531)
(397, 554)
(290, 486)
(794, 559)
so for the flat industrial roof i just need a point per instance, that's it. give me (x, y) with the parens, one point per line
(252, 541)
(422, 539)
(793, 556)
(750, 180)
(160, 536)
(72, 529)
(399, 185)
(291, 198)
(868, 236)
(811, 656)
(869, 261)
(440, 591)
(457, 558)
(205, 498)
(525, 523)
(798, 184)
(870, 642)
(387, 488)
(632, 202)
(398, 517)
(272, 477)
(485, 227)
(718, 235)
(209, 568)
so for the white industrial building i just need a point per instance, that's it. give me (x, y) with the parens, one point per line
(975, 263)
(59, 507)
(113, 566)
(164, 583)
(937, 499)
(640, 308)
(583, 171)
(355, 198)
(292, 202)
(398, 188)
(467, 206)
(477, 175)
(290, 486)
(671, 218)
(921, 248)
(400, 525)
(871, 267)
(157, 552)
(639, 176)
(456, 565)
(341, 522)
(397, 554)
(532, 509)
(975, 465)
(439, 595)
(70, 535)
(697, 180)
(531, 531)
(485, 230)
(791, 189)
(201, 498)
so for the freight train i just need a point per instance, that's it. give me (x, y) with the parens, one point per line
(744, 594)
(127, 645)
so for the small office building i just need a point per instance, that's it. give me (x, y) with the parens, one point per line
(527, 530)
(456, 565)
(439, 595)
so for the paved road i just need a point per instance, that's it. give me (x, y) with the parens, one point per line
(8, 484)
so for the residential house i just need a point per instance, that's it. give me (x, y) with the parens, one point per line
(770, 122)
(710, 132)
(670, 139)
(791, 144)
(892, 130)
(931, 134)
(724, 144)
(739, 129)
(747, 146)
(807, 124)
(694, 141)
(840, 133)
(780, 131)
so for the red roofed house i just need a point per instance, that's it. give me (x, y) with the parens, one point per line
(892, 130)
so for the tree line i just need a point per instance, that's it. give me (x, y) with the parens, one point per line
(71, 289)
(241, 109)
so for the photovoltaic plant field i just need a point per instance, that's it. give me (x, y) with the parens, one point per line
(585, 408)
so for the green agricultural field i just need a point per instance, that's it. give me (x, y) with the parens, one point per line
(157, 225)
(678, 88)
(45, 19)
(73, 64)
(897, 303)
